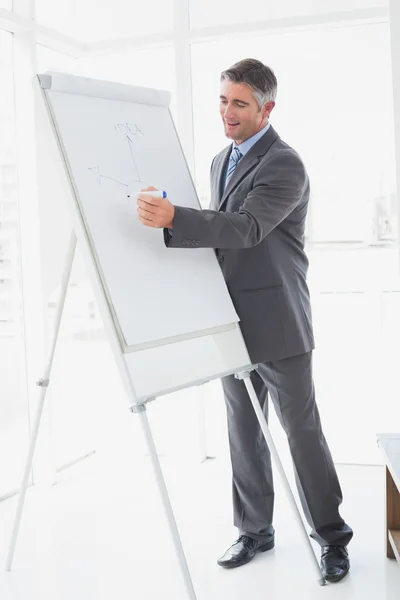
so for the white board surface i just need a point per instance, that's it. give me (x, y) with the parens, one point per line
(114, 148)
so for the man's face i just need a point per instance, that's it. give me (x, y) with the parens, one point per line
(240, 112)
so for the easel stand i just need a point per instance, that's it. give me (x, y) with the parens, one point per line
(140, 409)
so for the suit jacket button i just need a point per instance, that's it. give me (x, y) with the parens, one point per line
(184, 242)
(220, 259)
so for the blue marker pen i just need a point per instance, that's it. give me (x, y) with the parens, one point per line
(155, 194)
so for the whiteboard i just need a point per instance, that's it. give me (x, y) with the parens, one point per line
(170, 308)
(114, 149)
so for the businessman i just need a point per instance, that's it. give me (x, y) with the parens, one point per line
(259, 199)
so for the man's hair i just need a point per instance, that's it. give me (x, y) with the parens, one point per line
(260, 78)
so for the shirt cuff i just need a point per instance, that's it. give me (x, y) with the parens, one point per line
(167, 236)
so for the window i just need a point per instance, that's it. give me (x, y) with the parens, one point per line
(206, 13)
(14, 419)
(327, 80)
(151, 67)
(95, 20)
(48, 60)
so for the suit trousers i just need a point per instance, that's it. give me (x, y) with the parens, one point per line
(290, 384)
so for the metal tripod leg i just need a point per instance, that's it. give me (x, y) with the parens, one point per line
(43, 383)
(141, 409)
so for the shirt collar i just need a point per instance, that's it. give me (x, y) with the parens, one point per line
(245, 146)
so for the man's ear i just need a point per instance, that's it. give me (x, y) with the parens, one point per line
(267, 108)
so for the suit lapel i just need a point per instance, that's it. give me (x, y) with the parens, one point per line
(244, 166)
(218, 179)
(247, 163)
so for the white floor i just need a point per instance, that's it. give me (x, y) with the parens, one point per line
(101, 534)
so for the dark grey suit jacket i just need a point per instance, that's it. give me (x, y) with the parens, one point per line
(257, 229)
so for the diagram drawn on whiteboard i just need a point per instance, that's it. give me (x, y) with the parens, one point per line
(136, 184)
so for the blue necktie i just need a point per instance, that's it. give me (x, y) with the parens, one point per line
(235, 157)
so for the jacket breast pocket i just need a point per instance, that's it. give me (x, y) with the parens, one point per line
(237, 197)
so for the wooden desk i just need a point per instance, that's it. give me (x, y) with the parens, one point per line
(389, 443)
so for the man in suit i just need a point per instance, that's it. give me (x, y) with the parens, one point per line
(260, 192)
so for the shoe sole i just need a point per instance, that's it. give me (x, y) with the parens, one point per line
(263, 548)
(266, 547)
(336, 579)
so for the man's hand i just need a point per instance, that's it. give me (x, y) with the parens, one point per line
(155, 212)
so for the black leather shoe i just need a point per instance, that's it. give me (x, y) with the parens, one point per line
(243, 551)
(335, 562)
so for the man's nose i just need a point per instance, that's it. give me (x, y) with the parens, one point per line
(228, 112)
